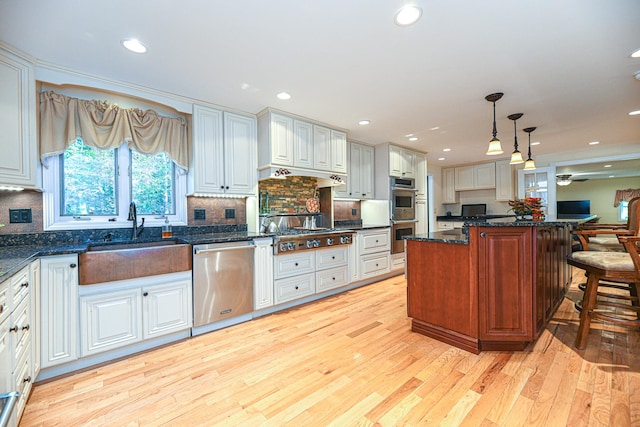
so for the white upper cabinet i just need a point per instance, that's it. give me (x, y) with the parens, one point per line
(359, 183)
(421, 175)
(401, 162)
(449, 194)
(322, 147)
(504, 181)
(302, 144)
(475, 177)
(287, 141)
(18, 139)
(224, 152)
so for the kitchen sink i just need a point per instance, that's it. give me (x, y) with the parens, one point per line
(109, 262)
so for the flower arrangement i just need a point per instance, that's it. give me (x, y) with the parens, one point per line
(527, 206)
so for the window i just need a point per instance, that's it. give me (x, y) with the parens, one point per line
(86, 187)
(623, 210)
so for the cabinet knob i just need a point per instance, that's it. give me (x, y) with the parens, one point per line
(483, 234)
(297, 288)
(72, 265)
(227, 187)
(25, 285)
(1, 308)
(145, 294)
(296, 264)
(25, 328)
(333, 257)
(14, 329)
(333, 278)
(27, 380)
(222, 187)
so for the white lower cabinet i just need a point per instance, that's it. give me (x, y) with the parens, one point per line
(373, 253)
(332, 278)
(295, 287)
(332, 268)
(59, 315)
(116, 314)
(374, 265)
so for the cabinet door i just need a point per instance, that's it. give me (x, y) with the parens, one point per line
(110, 320)
(408, 161)
(281, 131)
(375, 241)
(5, 356)
(484, 176)
(240, 152)
(464, 178)
(449, 194)
(355, 171)
(34, 269)
(505, 283)
(263, 281)
(302, 144)
(539, 183)
(166, 308)
(332, 278)
(59, 319)
(322, 147)
(338, 159)
(421, 217)
(294, 264)
(504, 181)
(366, 171)
(208, 152)
(18, 163)
(421, 176)
(395, 161)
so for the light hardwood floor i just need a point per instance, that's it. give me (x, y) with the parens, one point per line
(352, 360)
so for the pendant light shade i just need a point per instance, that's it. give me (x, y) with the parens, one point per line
(516, 156)
(494, 145)
(529, 164)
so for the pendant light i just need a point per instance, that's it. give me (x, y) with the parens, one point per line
(516, 156)
(529, 164)
(494, 144)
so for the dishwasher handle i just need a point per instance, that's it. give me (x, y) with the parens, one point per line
(198, 251)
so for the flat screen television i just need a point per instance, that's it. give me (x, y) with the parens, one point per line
(573, 209)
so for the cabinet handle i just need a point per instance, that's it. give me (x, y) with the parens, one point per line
(483, 234)
(14, 329)
(25, 285)
(25, 328)
(27, 380)
(145, 294)
(297, 288)
(73, 265)
(1, 308)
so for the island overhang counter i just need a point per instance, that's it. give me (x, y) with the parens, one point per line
(489, 285)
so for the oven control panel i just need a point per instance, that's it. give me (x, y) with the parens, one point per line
(295, 243)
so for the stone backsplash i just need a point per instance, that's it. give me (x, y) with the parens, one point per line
(287, 195)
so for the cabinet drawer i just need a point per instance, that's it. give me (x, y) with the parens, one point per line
(294, 287)
(293, 264)
(334, 257)
(375, 264)
(4, 300)
(375, 242)
(20, 285)
(445, 225)
(332, 278)
(22, 383)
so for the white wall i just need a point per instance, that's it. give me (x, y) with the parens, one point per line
(601, 192)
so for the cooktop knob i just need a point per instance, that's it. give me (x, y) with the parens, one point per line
(309, 244)
(329, 241)
(316, 243)
(283, 247)
(291, 246)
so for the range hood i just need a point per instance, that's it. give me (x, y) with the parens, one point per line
(325, 178)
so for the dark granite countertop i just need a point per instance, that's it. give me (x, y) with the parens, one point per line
(461, 236)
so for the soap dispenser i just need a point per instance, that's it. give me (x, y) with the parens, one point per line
(166, 229)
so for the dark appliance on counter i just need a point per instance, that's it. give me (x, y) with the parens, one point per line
(403, 199)
(478, 210)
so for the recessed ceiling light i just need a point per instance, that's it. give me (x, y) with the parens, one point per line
(535, 143)
(635, 54)
(408, 135)
(635, 113)
(594, 143)
(134, 46)
(446, 149)
(607, 166)
(440, 158)
(637, 75)
(435, 128)
(284, 96)
(407, 15)
(413, 138)
(612, 176)
(364, 122)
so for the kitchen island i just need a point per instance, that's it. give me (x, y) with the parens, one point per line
(489, 285)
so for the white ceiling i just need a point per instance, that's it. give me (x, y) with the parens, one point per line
(564, 64)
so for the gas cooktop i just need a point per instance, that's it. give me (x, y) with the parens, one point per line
(301, 240)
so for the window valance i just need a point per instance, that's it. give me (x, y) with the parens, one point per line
(625, 195)
(102, 125)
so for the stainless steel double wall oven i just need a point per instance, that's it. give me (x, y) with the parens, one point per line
(403, 211)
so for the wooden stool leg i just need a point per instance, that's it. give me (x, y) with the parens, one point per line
(588, 304)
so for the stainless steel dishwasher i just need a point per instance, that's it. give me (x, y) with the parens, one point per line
(222, 281)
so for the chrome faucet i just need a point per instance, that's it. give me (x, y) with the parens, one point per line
(133, 216)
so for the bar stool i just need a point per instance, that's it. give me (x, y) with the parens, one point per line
(615, 266)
